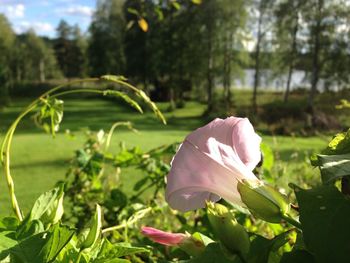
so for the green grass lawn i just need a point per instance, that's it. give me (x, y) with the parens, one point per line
(38, 160)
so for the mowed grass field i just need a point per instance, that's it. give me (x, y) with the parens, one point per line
(38, 160)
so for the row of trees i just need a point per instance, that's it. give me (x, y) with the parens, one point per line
(173, 46)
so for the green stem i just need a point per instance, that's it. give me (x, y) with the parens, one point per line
(6, 145)
(79, 256)
(292, 221)
(77, 91)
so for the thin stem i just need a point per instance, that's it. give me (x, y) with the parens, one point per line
(292, 221)
(133, 219)
(79, 256)
(77, 91)
(6, 145)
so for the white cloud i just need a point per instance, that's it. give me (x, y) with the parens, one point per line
(77, 10)
(41, 28)
(13, 10)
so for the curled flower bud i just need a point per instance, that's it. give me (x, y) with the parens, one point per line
(192, 245)
(162, 237)
(263, 201)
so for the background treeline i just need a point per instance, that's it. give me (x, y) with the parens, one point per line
(172, 47)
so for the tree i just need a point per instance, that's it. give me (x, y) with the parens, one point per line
(105, 51)
(209, 12)
(321, 21)
(288, 18)
(70, 50)
(262, 11)
(35, 59)
(232, 21)
(7, 39)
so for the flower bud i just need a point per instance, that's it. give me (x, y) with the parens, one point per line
(263, 201)
(93, 233)
(192, 245)
(232, 235)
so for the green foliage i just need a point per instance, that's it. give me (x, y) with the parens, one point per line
(334, 160)
(233, 235)
(94, 177)
(71, 50)
(49, 206)
(126, 98)
(57, 243)
(94, 230)
(214, 253)
(324, 215)
(265, 250)
(50, 115)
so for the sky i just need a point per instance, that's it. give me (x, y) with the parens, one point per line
(44, 15)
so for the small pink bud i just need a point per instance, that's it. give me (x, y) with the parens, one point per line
(164, 238)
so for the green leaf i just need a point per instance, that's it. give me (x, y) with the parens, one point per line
(49, 206)
(124, 97)
(42, 247)
(213, 253)
(262, 249)
(8, 223)
(297, 256)
(111, 251)
(324, 215)
(114, 78)
(29, 228)
(121, 80)
(50, 115)
(333, 167)
(57, 239)
(197, 2)
(152, 105)
(6, 242)
(133, 11)
(28, 250)
(340, 144)
(176, 5)
(117, 198)
(268, 156)
(140, 183)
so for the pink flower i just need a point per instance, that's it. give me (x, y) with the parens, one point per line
(211, 161)
(164, 238)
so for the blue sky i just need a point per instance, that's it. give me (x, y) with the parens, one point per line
(44, 15)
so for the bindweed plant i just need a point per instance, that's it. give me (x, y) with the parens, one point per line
(224, 208)
(95, 177)
(40, 235)
(216, 161)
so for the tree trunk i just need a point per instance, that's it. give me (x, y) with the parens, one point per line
(257, 62)
(315, 59)
(42, 70)
(210, 78)
(293, 54)
(228, 43)
(210, 83)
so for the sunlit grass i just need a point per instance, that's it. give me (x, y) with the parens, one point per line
(38, 160)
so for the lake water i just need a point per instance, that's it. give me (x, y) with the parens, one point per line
(300, 79)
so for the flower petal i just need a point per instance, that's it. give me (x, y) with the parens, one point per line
(228, 141)
(164, 238)
(246, 143)
(195, 178)
(211, 161)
